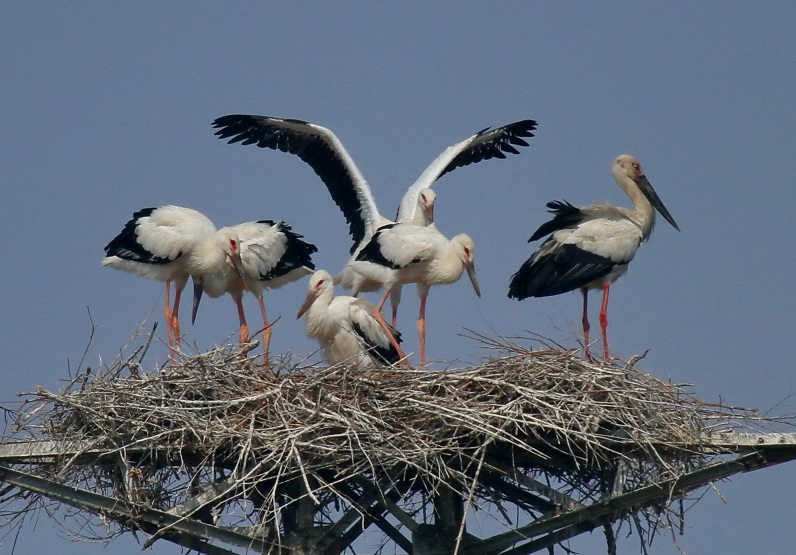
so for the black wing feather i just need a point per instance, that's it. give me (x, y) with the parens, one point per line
(564, 269)
(371, 252)
(126, 245)
(565, 215)
(298, 253)
(386, 355)
(493, 144)
(286, 135)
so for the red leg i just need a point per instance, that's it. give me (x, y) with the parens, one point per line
(167, 317)
(383, 300)
(604, 318)
(585, 321)
(175, 319)
(244, 327)
(266, 333)
(421, 328)
(380, 319)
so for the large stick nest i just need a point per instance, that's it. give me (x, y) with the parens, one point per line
(171, 434)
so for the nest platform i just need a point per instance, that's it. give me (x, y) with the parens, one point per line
(221, 456)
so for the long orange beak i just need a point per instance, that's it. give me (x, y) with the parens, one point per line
(311, 297)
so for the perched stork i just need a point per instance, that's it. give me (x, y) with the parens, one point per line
(326, 155)
(407, 253)
(591, 247)
(423, 215)
(271, 255)
(169, 243)
(346, 327)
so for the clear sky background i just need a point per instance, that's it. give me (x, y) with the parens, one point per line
(106, 109)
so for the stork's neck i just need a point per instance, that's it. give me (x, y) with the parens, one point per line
(643, 213)
(215, 284)
(320, 323)
(324, 299)
(419, 217)
(209, 255)
(448, 266)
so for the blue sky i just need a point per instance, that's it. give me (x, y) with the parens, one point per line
(107, 109)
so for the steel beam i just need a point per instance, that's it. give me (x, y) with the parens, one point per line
(184, 531)
(586, 519)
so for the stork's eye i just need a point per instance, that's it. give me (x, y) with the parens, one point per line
(233, 245)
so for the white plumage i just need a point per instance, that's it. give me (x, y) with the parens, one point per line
(345, 327)
(423, 215)
(168, 244)
(591, 247)
(325, 153)
(406, 253)
(270, 255)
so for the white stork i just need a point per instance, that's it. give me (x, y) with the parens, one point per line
(326, 155)
(591, 247)
(170, 243)
(407, 253)
(423, 215)
(346, 327)
(271, 255)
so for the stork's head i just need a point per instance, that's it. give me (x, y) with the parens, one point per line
(628, 172)
(628, 166)
(212, 264)
(320, 282)
(425, 203)
(465, 249)
(230, 245)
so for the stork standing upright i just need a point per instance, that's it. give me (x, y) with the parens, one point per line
(591, 247)
(326, 155)
(423, 215)
(271, 255)
(346, 327)
(407, 253)
(169, 243)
